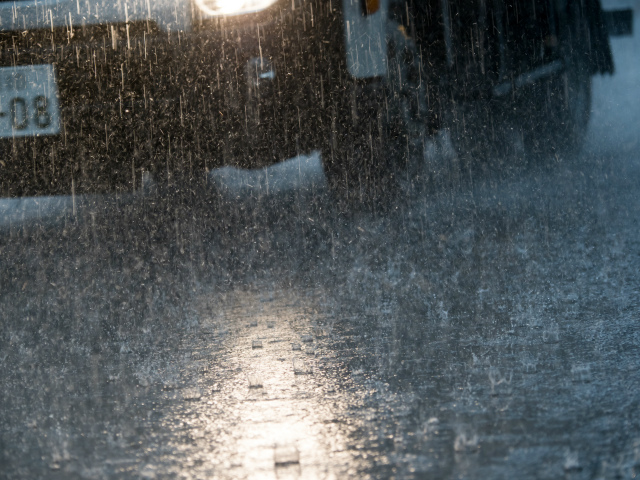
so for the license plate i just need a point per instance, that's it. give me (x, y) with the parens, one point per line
(29, 101)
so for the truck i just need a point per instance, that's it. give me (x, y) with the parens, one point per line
(97, 96)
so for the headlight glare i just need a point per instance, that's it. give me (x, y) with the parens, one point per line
(232, 7)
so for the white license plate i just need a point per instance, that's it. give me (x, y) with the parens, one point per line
(29, 101)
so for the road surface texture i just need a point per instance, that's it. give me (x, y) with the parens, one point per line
(486, 326)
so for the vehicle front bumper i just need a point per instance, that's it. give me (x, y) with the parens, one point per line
(243, 91)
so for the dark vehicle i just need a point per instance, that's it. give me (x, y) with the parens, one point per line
(93, 95)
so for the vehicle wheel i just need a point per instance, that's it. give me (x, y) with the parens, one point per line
(557, 109)
(478, 134)
(558, 120)
(377, 130)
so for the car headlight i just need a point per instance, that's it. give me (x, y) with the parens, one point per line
(232, 7)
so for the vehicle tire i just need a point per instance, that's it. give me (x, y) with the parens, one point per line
(558, 122)
(557, 109)
(377, 128)
(478, 134)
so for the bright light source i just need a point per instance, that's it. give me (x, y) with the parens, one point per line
(232, 7)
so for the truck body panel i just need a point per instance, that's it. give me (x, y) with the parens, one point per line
(167, 87)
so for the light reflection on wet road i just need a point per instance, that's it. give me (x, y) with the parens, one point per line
(272, 398)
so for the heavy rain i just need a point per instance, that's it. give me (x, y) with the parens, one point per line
(319, 239)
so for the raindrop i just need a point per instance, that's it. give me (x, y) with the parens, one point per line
(169, 383)
(551, 333)
(319, 332)
(255, 381)
(193, 393)
(500, 384)
(444, 314)
(571, 462)
(581, 373)
(148, 471)
(431, 426)
(301, 368)
(529, 365)
(285, 455)
(465, 442)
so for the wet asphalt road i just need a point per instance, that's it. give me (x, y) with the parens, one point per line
(481, 328)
